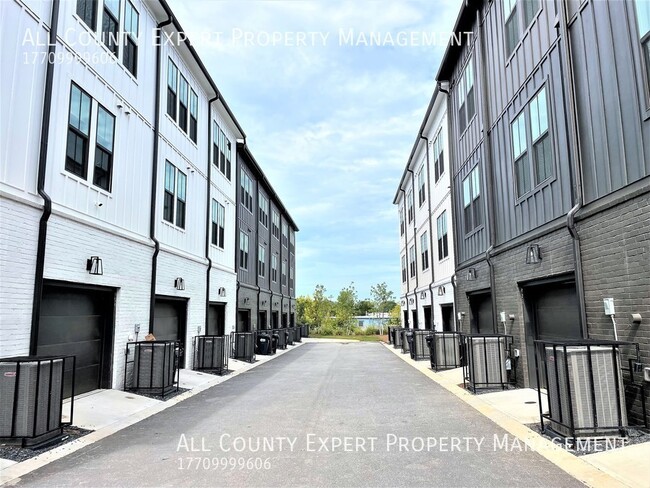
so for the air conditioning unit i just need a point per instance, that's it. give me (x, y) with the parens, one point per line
(570, 391)
(210, 353)
(487, 361)
(154, 365)
(420, 348)
(447, 349)
(31, 399)
(397, 337)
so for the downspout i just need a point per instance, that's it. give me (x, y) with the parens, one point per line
(433, 276)
(270, 230)
(208, 219)
(488, 173)
(42, 166)
(406, 252)
(154, 177)
(256, 221)
(415, 246)
(574, 168)
(237, 231)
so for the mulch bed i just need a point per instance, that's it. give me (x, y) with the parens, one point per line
(18, 454)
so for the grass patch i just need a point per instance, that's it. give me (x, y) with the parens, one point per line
(365, 338)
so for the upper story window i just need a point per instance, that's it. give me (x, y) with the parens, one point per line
(404, 269)
(246, 190)
(87, 11)
(172, 89)
(275, 225)
(243, 250)
(183, 88)
(412, 261)
(402, 225)
(78, 150)
(274, 268)
(221, 151)
(264, 210)
(261, 261)
(643, 21)
(292, 238)
(424, 251)
(194, 115)
(422, 176)
(409, 202)
(182, 101)
(466, 101)
(285, 234)
(531, 145)
(472, 210)
(443, 246)
(284, 272)
(516, 13)
(438, 157)
(175, 195)
(291, 278)
(130, 49)
(111, 25)
(218, 224)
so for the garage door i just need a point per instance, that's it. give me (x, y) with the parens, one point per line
(78, 322)
(482, 321)
(554, 314)
(216, 319)
(169, 323)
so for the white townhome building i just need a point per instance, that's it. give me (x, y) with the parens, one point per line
(117, 213)
(426, 248)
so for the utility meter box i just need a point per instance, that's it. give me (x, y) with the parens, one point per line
(609, 306)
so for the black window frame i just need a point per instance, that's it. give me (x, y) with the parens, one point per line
(404, 272)
(466, 96)
(644, 41)
(283, 272)
(79, 135)
(105, 153)
(263, 205)
(473, 210)
(422, 194)
(410, 205)
(442, 234)
(274, 268)
(412, 261)
(194, 116)
(183, 104)
(402, 220)
(89, 18)
(172, 92)
(438, 157)
(275, 227)
(218, 224)
(169, 196)
(243, 250)
(424, 251)
(246, 190)
(130, 47)
(110, 35)
(261, 261)
(517, 21)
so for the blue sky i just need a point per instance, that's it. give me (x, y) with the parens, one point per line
(332, 123)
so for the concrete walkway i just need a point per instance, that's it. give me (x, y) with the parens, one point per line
(321, 415)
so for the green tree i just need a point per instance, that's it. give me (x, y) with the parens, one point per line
(364, 307)
(384, 298)
(395, 315)
(344, 308)
(318, 309)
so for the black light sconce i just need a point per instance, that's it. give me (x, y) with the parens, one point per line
(222, 292)
(263, 302)
(403, 302)
(286, 305)
(411, 301)
(275, 304)
(423, 295)
(441, 291)
(533, 254)
(247, 299)
(94, 266)
(471, 274)
(179, 284)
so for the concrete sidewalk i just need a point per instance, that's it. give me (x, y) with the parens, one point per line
(514, 409)
(108, 411)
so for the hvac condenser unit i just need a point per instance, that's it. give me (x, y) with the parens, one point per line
(487, 361)
(447, 350)
(210, 353)
(154, 365)
(31, 399)
(575, 408)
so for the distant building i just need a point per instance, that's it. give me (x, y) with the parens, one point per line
(373, 319)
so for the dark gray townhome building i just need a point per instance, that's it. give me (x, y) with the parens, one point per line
(266, 251)
(549, 110)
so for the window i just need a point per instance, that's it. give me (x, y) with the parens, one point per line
(274, 268)
(438, 157)
(194, 115)
(401, 221)
(404, 268)
(472, 213)
(292, 238)
(518, 12)
(291, 278)
(424, 250)
(87, 11)
(409, 202)
(285, 234)
(110, 25)
(275, 225)
(243, 250)
(530, 130)
(182, 103)
(221, 151)
(228, 156)
(261, 259)
(175, 198)
(643, 21)
(443, 246)
(76, 160)
(130, 49)
(421, 186)
(246, 190)
(264, 210)
(218, 224)
(466, 101)
(172, 88)
(284, 273)
(104, 149)
(412, 260)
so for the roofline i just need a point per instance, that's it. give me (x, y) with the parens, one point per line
(256, 167)
(427, 114)
(452, 50)
(202, 66)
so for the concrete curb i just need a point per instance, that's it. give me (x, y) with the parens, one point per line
(575, 466)
(15, 471)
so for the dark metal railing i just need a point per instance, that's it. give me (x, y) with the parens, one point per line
(211, 353)
(32, 390)
(419, 347)
(490, 362)
(585, 386)
(152, 367)
(243, 346)
(445, 350)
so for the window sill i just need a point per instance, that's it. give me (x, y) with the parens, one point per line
(534, 191)
(443, 260)
(476, 230)
(174, 227)
(469, 124)
(214, 246)
(87, 184)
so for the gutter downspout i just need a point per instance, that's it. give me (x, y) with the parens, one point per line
(256, 220)
(406, 253)
(433, 276)
(488, 173)
(208, 219)
(415, 246)
(42, 166)
(237, 231)
(154, 177)
(574, 168)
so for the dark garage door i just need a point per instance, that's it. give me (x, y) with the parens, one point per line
(482, 321)
(79, 322)
(553, 313)
(169, 323)
(216, 319)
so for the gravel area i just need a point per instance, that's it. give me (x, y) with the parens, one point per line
(18, 454)
(157, 396)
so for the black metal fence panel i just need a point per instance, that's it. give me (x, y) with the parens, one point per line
(490, 362)
(152, 367)
(243, 346)
(32, 389)
(419, 347)
(211, 353)
(445, 350)
(405, 343)
(281, 337)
